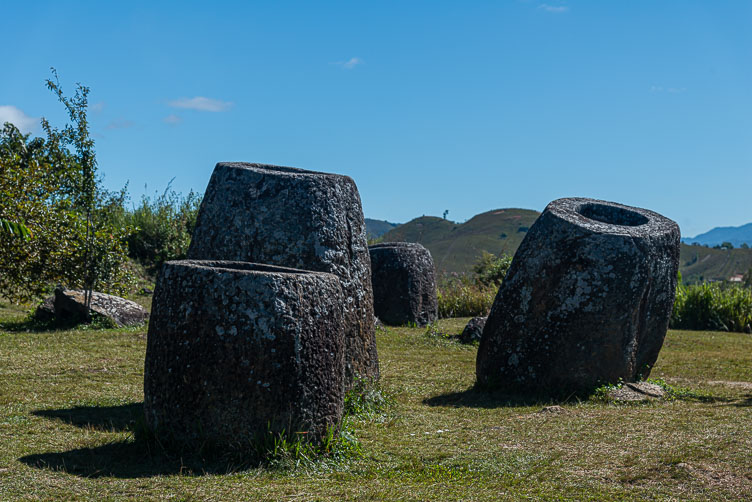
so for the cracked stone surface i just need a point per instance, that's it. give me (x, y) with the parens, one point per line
(236, 349)
(294, 218)
(404, 283)
(587, 300)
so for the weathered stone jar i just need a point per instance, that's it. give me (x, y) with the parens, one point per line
(404, 283)
(236, 349)
(294, 218)
(587, 300)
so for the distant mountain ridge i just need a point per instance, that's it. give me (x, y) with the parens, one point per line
(718, 235)
(377, 228)
(455, 247)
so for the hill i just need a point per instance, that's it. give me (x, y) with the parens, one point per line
(377, 228)
(700, 263)
(718, 235)
(456, 246)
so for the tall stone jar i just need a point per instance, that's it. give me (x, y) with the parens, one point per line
(586, 301)
(295, 218)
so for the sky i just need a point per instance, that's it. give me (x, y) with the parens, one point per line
(464, 106)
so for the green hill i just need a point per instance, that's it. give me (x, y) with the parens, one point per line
(456, 246)
(699, 263)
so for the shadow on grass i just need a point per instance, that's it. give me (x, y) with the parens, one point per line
(104, 418)
(745, 402)
(474, 397)
(29, 324)
(140, 457)
(125, 459)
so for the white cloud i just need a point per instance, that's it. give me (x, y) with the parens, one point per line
(97, 107)
(120, 124)
(201, 104)
(556, 9)
(18, 118)
(172, 119)
(350, 63)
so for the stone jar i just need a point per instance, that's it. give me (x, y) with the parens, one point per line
(587, 300)
(235, 350)
(404, 283)
(300, 219)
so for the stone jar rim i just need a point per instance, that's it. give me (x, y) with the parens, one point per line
(277, 170)
(246, 268)
(606, 217)
(396, 245)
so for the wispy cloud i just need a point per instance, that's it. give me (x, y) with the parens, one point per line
(120, 124)
(172, 119)
(350, 63)
(555, 9)
(18, 118)
(201, 104)
(97, 107)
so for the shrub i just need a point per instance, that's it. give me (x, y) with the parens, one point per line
(461, 296)
(162, 227)
(712, 307)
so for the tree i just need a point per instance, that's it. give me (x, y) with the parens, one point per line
(52, 186)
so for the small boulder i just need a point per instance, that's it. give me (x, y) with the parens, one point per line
(45, 312)
(473, 330)
(70, 306)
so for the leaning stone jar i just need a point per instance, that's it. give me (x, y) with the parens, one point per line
(404, 283)
(294, 218)
(235, 350)
(587, 300)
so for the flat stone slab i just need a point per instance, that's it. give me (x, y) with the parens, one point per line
(637, 391)
(69, 305)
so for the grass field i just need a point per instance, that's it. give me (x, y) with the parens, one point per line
(69, 399)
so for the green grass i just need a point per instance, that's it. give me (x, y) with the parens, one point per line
(71, 400)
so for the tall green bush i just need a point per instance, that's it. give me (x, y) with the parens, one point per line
(163, 226)
(713, 306)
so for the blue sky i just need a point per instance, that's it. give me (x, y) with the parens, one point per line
(465, 106)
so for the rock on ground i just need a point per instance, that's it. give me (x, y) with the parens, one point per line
(404, 283)
(473, 329)
(637, 391)
(300, 219)
(69, 306)
(236, 350)
(586, 301)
